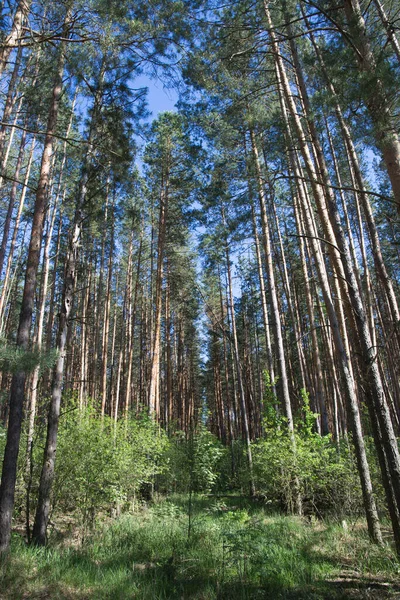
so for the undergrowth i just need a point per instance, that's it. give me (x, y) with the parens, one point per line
(236, 550)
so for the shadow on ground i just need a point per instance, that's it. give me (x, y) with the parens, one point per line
(236, 552)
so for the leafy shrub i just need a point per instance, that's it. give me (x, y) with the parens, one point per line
(194, 463)
(100, 463)
(326, 473)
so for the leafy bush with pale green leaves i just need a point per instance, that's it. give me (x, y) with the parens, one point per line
(325, 471)
(100, 463)
(195, 463)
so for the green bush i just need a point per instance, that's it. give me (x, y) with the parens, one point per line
(326, 473)
(100, 463)
(194, 462)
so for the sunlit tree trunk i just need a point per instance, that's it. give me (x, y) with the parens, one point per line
(11, 203)
(377, 101)
(5, 289)
(69, 284)
(283, 382)
(235, 348)
(154, 393)
(17, 395)
(106, 325)
(267, 334)
(13, 39)
(362, 194)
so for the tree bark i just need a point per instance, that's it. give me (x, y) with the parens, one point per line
(385, 134)
(14, 37)
(154, 393)
(17, 395)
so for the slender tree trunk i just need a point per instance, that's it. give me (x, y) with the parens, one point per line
(287, 287)
(284, 386)
(230, 408)
(7, 150)
(352, 404)
(389, 28)
(154, 393)
(70, 276)
(235, 347)
(35, 377)
(361, 336)
(377, 101)
(267, 334)
(133, 323)
(362, 193)
(47, 474)
(15, 235)
(14, 37)
(319, 389)
(9, 472)
(50, 319)
(84, 342)
(46, 479)
(106, 326)
(11, 203)
(99, 299)
(8, 106)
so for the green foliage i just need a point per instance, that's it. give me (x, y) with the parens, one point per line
(306, 423)
(326, 473)
(272, 419)
(100, 463)
(238, 552)
(195, 462)
(205, 452)
(14, 359)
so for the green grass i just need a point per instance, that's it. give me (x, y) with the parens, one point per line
(236, 551)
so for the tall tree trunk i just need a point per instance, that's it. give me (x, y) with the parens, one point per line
(13, 195)
(35, 377)
(17, 395)
(128, 401)
(8, 106)
(319, 388)
(7, 149)
(362, 193)
(235, 347)
(47, 474)
(106, 326)
(4, 291)
(361, 336)
(154, 393)
(283, 384)
(70, 276)
(14, 37)
(389, 28)
(377, 102)
(267, 334)
(230, 407)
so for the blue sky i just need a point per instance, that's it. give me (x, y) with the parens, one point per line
(159, 98)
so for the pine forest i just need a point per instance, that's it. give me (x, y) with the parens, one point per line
(199, 299)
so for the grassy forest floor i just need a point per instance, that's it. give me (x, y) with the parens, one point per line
(236, 550)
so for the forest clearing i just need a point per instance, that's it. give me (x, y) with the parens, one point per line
(199, 299)
(236, 550)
